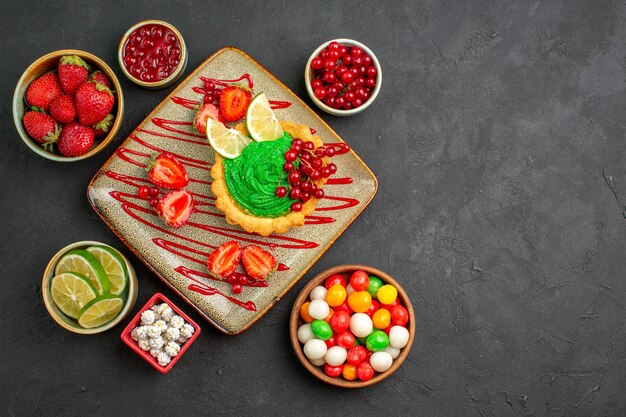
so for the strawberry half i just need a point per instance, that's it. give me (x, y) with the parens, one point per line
(223, 261)
(175, 208)
(234, 102)
(204, 112)
(258, 262)
(165, 171)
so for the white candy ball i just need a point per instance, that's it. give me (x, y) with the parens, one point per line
(144, 344)
(164, 359)
(336, 356)
(319, 309)
(398, 337)
(381, 361)
(148, 317)
(349, 290)
(361, 325)
(315, 349)
(394, 352)
(155, 352)
(318, 362)
(305, 333)
(318, 293)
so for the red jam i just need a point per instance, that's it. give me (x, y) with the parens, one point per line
(152, 52)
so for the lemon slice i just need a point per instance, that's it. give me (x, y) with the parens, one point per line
(100, 311)
(113, 265)
(84, 263)
(261, 121)
(71, 292)
(227, 142)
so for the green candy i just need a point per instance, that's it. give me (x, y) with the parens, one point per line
(375, 284)
(322, 330)
(377, 341)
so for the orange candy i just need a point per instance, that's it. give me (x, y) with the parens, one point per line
(381, 318)
(349, 372)
(304, 313)
(336, 295)
(360, 301)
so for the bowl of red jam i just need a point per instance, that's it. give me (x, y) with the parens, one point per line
(152, 54)
(343, 77)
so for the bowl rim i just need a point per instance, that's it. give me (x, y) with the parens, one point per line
(294, 323)
(182, 64)
(118, 116)
(126, 338)
(54, 311)
(308, 71)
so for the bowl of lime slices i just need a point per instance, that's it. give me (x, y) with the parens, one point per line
(89, 287)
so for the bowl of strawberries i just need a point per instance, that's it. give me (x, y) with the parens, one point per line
(68, 105)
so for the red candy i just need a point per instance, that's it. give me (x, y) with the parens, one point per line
(335, 371)
(331, 342)
(359, 279)
(344, 307)
(364, 371)
(356, 355)
(334, 279)
(340, 321)
(399, 315)
(375, 306)
(345, 339)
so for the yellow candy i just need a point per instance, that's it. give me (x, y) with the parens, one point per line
(349, 372)
(387, 294)
(360, 301)
(336, 295)
(381, 318)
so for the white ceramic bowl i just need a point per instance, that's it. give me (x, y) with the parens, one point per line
(308, 77)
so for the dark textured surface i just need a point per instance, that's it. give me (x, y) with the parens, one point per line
(499, 143)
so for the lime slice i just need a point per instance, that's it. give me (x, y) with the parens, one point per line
(70, 292)
(84, 263)
(227, 142)
(261, 121)
(100, 311)
(113, 265)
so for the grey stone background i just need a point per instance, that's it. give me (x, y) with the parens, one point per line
(498, 140)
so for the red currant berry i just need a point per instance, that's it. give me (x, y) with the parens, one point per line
(308, 145)
(280, 192)
(317, 83)
(296, 142)
(371, 71)
(334, 55)
(305, 197)
(313, 189)
(295, 193)
(306, 157)
(294, 177)
(343, 50)
(347, 106)
(237, 288)
(325, 172)
(339, 85)
(296, 206)
(154, 192)
(290, 156)
(317, 63)
(367, 60)
(349, 96)
(370, 82)
(232, 279)
(330, 77)
(332, 91)
(315, 175)
(357, 61)
(319, 194)
(143, 192)
(243, 279)
(209, 85)
(317, 163)
(346, 59)
(360, 81)
(209, 98)
(320, 152)
(357, 103)
(355, 71)
(330, 152)
(320, 93)
(332, 167)
(324, 54)
(330, 101)
(305, 186)
(340, 101)
(341, 69)
(356, 51)
(153, 202)
(334, 46)
(366, 94)
(330, 64)
(347, 77)
(288, 166)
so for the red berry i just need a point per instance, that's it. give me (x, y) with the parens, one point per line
(295, 193)
(237, 288)
(360, 81)
(296, 142)
(340, 322)
(347, 106)
(332, 167)
(320, 93)
(330, 152)
(324, 54)
(334, 46)
(371, 71)
(315, 175)
(347, 77)
(340, 101)
(332, 91)
(356, 51)
(316, 163)
(154, 191)
(357, 103)
(333, 280)
(317, 83)
(296, 206)
(143, 192)
(367, 60)
(357, 61)
(317, 63)
(304, 185)
(154, 202)
(364, 371)
(280, 192)
(330, 64)
(347, 59)
(333, 371)
(325, 172)
(370, 82)
(320, 152)
(290, 156)
(288, 166)
(334, 54)
(319, 194)
(330, 77)
(209, 85)
(343, 50)
(309, 146)
(341, 69)
(294, 177)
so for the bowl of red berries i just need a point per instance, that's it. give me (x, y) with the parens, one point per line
(343, 77)
(68, 105)
(352, 326)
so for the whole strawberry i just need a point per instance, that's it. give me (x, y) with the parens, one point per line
(42, 128)
(62, 109)
(43, 90)
(72, 72)
(75, 139)
(103, 126)
(93, 102)
(100, 77)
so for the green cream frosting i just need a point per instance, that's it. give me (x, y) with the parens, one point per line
(252, 177)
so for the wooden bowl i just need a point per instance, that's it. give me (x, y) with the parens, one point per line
(48, 63)
(68, 323)
(308, 77)
(295, 322)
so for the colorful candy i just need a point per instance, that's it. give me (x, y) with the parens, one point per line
(353, 328)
